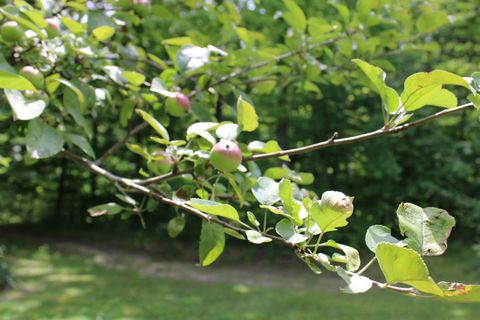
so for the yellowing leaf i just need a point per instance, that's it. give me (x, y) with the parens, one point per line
(159, 128)
(246, 116)
(103, 32)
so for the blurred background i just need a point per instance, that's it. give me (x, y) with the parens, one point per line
(66, 265)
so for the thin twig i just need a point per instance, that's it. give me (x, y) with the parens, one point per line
(278, 58)
(160, 178)
(129, 59)
(333, 141)
(368, 265)
(119, 144)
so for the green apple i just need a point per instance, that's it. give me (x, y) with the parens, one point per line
(163, 165)
(226, 156)
(11, 31)
(53, 27)
(33, 75)
(179, 105)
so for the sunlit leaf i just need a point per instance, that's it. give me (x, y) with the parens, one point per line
(157, 126)
(246, 116)
(426, 229)
(215, 208)
(402, 265)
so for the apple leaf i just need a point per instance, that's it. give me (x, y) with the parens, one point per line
(426, 229)
(215, 208)
(212, 243)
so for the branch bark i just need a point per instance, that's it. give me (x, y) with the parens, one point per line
(334, 141)
(131, 184)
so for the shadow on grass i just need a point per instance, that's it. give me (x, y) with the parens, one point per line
(53, 285)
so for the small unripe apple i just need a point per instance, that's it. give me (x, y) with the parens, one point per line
(33, 75)
(53, 27)
(337, 201)
(226, 156)
(141, 7)
(163, 165)
(179, 105)
(182, 100)
(11, 31)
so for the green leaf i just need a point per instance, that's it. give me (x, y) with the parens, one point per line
(355, 283)
(42, 140)
(74, 88)
(421, 80)
(246, 116)
(75, 27)
(286, 229)
(266, 191)
(191, 57)
(236, 189)
(295, 16)
(215, 208)
(178, 41)
(280, 211)
(14, 81)
(432, 95)
(80, 142)
(426, 229)
(135, 148)
(134, 78)
(157, 126)
(228, 131)
(377, 234)
(276, 173)
(116, 74)
(159, 86)
(328, 219)
(285, 191)
(256, 237)
(252, 219)
(77, 116)
(23, 109)
(233, 233)
(103, 32)
(201, 129)
(175, 226)
(110, 208)
(212, 243)
(376, 77)
(268, 147)
(430, 21)
(475, 79)
(402, 265)
(351, 254)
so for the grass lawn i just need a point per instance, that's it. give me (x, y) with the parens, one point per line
(53, 285)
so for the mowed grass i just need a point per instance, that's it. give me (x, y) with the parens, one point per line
(53, 285)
